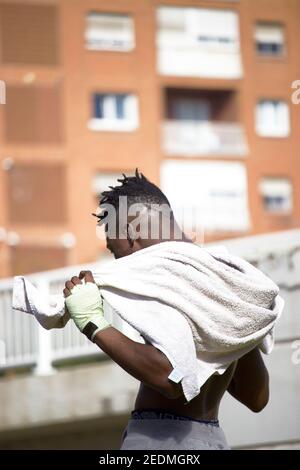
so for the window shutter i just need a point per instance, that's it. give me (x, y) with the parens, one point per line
(29, 34)
(33, 114)
(268, 33)
(37, 194)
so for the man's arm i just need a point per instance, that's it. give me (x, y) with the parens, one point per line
(250, 382)
(143, 361)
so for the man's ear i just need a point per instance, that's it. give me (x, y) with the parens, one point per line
(131, 234)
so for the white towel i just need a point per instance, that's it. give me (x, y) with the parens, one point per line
(203, 308)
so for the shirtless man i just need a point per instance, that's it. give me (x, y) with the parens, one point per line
(246, 379)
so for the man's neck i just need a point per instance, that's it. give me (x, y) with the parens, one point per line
(150, 242)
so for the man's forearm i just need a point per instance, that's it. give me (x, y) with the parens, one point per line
(250, 382)
(143, 361)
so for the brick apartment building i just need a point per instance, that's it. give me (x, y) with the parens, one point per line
(197, 94)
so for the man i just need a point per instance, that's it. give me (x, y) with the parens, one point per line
(194, 424)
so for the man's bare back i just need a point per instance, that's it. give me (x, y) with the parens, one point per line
(204, 406)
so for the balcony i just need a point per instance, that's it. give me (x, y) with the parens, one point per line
(193, 139)
(198, 42)
(200, 122)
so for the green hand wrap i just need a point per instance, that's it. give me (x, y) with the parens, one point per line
(86, 309)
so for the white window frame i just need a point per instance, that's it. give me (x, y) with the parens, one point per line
(110, 122)
(98, 40)
(194, 24)
(198, 42)
(102, 179)
(276, 186)
(205, 36)
(272, 118)
(270, 33)
(216, 191)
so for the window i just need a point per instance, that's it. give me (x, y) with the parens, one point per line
(191, 109)
(269, 39)
(198, 42)
(33, 114)
(36, 194)
(103, 179)
(272, 118)
(213, 196)
(114, 112)
(212, 28)
(29, 33)
(277, 195)
(109, 32)
(199, 25)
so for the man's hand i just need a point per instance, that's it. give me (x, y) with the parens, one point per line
(142, 361)
(84, 303)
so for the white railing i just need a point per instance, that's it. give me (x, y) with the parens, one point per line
(23, 342)
(194, 138)
(183, 59)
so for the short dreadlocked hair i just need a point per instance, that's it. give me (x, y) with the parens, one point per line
(138, 190)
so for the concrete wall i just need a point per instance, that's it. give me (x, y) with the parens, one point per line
(279, 422)
(77, 407)
(278, 425)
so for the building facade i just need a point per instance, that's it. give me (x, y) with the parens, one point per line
(196, 94)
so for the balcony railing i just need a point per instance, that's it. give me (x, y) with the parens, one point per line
(24, 343)
(194, 138)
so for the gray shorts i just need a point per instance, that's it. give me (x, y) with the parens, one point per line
(152, 430)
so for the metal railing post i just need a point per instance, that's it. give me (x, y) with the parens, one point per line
(44, 358)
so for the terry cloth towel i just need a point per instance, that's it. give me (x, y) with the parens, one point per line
(203, 308)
